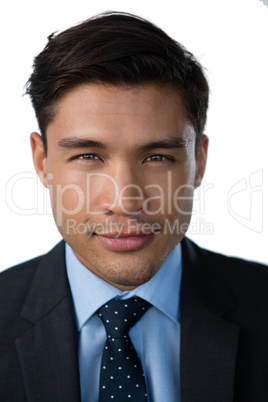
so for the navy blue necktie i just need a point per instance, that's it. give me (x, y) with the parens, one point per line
(122, 377)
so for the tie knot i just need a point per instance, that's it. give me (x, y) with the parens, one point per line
(118, 316)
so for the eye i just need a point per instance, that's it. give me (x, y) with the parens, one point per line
(88, 157)
(156, 158)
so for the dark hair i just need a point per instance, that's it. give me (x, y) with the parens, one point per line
(115, 48)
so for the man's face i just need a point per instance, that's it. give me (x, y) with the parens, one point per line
(121, 170)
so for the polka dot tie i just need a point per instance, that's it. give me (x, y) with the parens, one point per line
(122, 377)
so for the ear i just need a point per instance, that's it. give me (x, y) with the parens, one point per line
(201, 160)
(39, 157)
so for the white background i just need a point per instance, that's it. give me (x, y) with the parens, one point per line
(230, 38)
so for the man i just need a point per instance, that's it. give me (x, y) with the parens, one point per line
(122, 109)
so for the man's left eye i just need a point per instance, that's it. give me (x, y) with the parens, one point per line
(90, 157)
(156, 158)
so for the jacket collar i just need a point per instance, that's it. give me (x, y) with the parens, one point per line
(48, 351)
(49, 285)
(208, 341)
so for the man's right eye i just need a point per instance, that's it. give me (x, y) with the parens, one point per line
(89, 157)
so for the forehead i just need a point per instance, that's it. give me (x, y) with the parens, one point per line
(111, 112)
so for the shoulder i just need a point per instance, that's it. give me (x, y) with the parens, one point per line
(15, 281)
(217, 261)
(246, 280)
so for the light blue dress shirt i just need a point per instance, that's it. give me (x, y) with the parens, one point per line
(156, 336)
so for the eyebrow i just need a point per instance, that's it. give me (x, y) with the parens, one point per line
(75, 143)
(165, 144)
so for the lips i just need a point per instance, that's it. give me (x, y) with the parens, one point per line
(116, 235)
(124, 242)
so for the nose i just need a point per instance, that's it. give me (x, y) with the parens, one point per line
(127, 197)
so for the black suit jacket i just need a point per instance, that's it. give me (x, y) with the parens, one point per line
(224, 330)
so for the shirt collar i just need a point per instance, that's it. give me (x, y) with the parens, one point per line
(90, 292)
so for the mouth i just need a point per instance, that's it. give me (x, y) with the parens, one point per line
(124, 241)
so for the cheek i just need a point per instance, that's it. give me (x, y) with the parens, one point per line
(67, 200)
(81, 195)
(175, 194)
(67, 195)
(183, 198)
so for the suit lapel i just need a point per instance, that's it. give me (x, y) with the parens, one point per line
(48, 351)
(208, 342)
